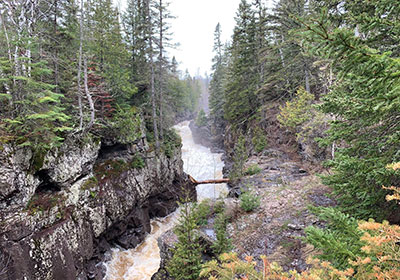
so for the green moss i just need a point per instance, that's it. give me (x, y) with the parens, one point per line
(110, 169)
(44, 202)
(90, 183)
(38, 160)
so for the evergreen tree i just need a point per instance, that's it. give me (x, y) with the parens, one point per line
(217, 91)
(365, 100)
(186, 260)
(241, 100)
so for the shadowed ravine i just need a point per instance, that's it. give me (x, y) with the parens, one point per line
(143, 261)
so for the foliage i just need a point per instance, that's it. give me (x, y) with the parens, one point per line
(239, 158)
(41, 122)
(297, 111)
(219, 207)
(223, 243)
(126, 125)
(202, 211)
(172, 141)
(259, 140)
(249, 201)
(137, 161)
(339, 241)
(253, 169)
(217, 84)
(185, 263)
(381, 261)
(396, 190)
(240, 95)
(363, 99)
(201, 119)
(231, 267)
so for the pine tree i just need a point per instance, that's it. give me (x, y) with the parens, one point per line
(365, 100)
(217, 90)
(241, 100)
(186, 261)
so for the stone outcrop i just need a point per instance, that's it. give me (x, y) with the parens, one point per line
(203, 136)
(59, 217)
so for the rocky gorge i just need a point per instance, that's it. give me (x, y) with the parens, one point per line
(59, 216)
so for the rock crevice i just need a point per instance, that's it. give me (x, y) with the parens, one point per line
(59, 221)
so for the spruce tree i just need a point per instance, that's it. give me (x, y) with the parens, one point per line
(186, 261)
(217, 90)
(241, 100)
(365, 100)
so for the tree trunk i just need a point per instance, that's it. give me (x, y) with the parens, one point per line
(80, 69)
(307, 78)
(88, 96)
(215, 181)
(161, 72)
(152, 78)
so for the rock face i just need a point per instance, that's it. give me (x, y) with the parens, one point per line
(204, 136)
(59, 217)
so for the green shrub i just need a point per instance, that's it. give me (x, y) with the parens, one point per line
(239, 158)
(223, 243)
(186, 260)
(253, 169)
(219, 207)
(137, 162)
(249, 202)
(297, 111)
(202, 211)
(126, 125)
(340, 240)
(171, 142)
(201, 119)
(259, 140)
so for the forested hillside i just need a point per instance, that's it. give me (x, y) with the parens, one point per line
(303, 101)
(72, 67)
(319, 79)
(335, 64)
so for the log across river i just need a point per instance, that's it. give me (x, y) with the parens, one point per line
(205, 169)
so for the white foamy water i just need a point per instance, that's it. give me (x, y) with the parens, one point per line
(143, 261)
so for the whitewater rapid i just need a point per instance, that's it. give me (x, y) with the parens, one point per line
(143, 261)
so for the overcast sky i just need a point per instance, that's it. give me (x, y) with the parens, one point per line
(194, 28)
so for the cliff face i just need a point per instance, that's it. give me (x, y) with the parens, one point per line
(59, 216)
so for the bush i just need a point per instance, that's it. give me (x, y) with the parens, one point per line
(186, 260)
(202, 211)
(297, 111)
(380, 261)
(171, 142)
(137, 162)
(219, 207)
(223, 243)
(253, 169)
(259, 140)
(201, 119)
(126, 125)
(249, 202)
(339, 241)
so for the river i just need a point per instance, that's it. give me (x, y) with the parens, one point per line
(143, 261)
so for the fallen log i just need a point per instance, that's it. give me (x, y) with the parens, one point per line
(216, 181)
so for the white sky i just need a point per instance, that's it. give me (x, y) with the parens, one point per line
(193, 29)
